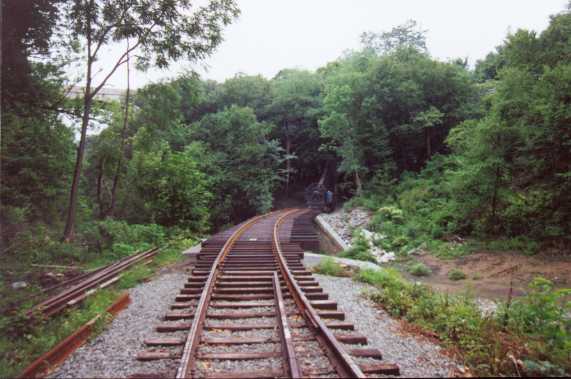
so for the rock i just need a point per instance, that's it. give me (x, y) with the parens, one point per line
(381, 256)
(18, 285)
(345, 222)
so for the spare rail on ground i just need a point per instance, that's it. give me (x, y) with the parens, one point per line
(98, 278)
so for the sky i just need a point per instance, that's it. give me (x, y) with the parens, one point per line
(271, 35)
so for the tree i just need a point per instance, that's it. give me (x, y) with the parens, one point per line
(513, 174)
(392, 113)
(295, 108)
(242, 162)
(245, 91)
(171, 187)
(405, 36)
(28, 28)
(36, 155)
(160, 31)
(119, 168)
(343, 123)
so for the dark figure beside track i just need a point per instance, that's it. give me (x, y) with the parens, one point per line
(328, 195)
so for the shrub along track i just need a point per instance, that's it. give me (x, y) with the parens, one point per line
(251, 310)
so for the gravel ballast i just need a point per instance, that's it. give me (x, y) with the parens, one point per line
(416, 357)
(112, 353)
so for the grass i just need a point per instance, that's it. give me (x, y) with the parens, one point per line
(419, 269)
(328, 266)
(456, 274)
(360, 249)
(533, 331)
(22, 341)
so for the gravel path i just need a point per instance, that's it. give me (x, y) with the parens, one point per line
(112, 353)
(416, 357)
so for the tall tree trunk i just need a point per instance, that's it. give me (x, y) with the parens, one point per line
(69, 231)
(428, 145)
(358, 183)
(100, 167)
(122, 148)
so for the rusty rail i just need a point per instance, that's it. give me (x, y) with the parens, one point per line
(345, 365)
(100, 277)
(188, 354)
(287, 341)
(245, 268)
(60, 352)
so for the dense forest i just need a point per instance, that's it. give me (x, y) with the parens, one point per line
(448, 157)
(479, 152)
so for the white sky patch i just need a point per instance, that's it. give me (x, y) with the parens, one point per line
(271, 35)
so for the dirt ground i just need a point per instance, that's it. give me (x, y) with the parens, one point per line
(489, 274)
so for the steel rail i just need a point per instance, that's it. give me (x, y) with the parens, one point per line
(58, 302)
(186, 367)
(341, 360)
(288, 351)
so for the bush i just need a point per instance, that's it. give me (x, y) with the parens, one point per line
(419, 269)
(535, 329)
(520, 244)
(360, 249)
(456, 274)
(328, 266)
(139, 237)
(543, 315)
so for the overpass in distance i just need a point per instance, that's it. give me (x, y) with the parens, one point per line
(105, 94)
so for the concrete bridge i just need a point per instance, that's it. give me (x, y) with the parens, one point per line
(105, 94)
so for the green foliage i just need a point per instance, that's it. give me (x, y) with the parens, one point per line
(165, 32)
(173, 187)
(37, 156)
(360, 249)
(21, 341)
(419, 269)
(521, 243)
(537, 320)
(543, 316)
(17, 351)
(245, 91)
(506, 178)
(328, 266)
(295, 107)
(456, 274)
(241, 163)
(391, 113)
(405, 36)
(134, 276)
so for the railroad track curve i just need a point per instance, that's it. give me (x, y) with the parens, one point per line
(250, 309)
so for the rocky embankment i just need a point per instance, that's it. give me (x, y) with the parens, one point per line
(352, 224)
(349, 223)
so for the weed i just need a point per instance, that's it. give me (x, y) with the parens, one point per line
(456, 274)
(537, 332)
(360, 250)
(22, 341)
(419, 269)
(519, 244)
(328, 266)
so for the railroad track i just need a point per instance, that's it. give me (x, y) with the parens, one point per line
(84, 285)
(251, 310)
